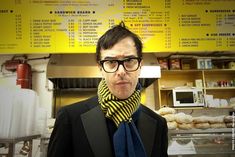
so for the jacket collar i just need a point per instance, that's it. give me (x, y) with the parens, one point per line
(97, 132)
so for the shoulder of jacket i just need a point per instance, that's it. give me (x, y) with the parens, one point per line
(81, 106)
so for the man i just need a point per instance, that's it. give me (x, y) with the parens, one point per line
(114, 123)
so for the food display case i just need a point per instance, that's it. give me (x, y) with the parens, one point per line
(203, 143)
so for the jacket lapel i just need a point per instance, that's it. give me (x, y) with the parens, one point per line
(147, 130)
(97, 133)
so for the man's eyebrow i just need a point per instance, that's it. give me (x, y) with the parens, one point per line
(130, 56)
(110, 58)
(116, 58)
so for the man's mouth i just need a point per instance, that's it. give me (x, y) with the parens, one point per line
(122, 83)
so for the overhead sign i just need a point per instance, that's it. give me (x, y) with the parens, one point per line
(74, 26)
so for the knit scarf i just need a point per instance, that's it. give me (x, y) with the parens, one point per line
(126, 139)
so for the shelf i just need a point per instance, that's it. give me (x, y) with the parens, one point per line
(218, 70)
(178, 87)
(199, 70)
(181, 71)
(199, 108)
(219, 88)
(201, 131)
(188, 108)
(207, 88)
(171, 79)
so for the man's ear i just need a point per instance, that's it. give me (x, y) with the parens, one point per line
(141, 63)
(99, 66)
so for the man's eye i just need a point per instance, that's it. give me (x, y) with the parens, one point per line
(129, 60)
(111, 62)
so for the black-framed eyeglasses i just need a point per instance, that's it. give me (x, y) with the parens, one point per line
(130, 64)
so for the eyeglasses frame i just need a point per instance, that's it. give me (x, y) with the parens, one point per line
(120, 62)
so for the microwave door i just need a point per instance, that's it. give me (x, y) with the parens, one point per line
(185, 99)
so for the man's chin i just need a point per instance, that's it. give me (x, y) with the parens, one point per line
(123, 95)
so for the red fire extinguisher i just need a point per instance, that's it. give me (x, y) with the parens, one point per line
(24, 75)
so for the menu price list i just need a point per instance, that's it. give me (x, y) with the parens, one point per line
(75, 26)
(41, 31)
(10, 33)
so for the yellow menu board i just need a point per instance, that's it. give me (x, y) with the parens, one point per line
(74, 26)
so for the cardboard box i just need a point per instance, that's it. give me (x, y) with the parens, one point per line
(204, 64)
(201, 64)
(208, 64)
(187, 64)
(174, 63)
(198, 83)
(163, 62)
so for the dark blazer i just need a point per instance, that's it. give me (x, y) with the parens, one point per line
(81, 131)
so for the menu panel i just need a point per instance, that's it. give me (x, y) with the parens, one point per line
(74, 26)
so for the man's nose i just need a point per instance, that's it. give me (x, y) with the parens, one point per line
(121, 70)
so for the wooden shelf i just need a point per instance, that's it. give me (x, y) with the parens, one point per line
(207, 88)
(199, 108)
(171, 79)
(219, 70)
(188, 108)
(198, 70)
(181, 71)
(219, 88)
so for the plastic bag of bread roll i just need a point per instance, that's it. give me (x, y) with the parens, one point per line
(169, 117)
(218, 125)
(229, 119)
(217, 119)
(185, 126)
(202, 125)
(166, 110)
(172, 125)
(230, 125)
(201, 119)
(183, 118)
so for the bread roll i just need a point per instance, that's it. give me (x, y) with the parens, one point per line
(202, 125)
(169, 117)
(230, 125)
(218, 125)
(166, 110)
(201, 119)
(185, 126)
(229, 119)
(183, 118)
(218, 119)
(172, 125)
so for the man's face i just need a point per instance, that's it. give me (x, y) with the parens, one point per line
(121, 83)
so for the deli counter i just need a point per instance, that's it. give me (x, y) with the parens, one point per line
(203, 143)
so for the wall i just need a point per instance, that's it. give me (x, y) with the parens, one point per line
(40, 83)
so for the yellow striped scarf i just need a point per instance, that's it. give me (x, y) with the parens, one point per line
(116, 109)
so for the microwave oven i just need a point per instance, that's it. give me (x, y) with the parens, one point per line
(188, 97)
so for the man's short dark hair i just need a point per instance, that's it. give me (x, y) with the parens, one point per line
(113, 36)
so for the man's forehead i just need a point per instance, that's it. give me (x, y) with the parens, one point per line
(117, 56)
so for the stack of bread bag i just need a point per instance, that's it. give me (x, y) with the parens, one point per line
(201, 122)
(217, 122)
(229, 121)
(184, 121)
(169, 114)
